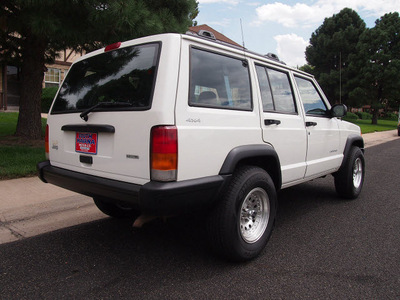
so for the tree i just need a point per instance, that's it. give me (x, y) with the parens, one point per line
(31, 33)
(376, 65)
(329, 50)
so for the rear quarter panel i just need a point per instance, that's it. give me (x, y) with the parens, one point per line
(207, 135)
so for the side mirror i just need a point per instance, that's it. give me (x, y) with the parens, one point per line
(338, 110)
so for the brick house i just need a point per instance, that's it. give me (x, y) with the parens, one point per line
(10, 78)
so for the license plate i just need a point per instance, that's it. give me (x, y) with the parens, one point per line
(86, 142)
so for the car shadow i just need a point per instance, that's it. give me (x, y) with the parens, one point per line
(111, 252)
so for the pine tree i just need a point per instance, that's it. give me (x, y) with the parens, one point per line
(32, 31)
(376, 65)
(329, 50)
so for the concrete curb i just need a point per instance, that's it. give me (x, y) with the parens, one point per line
(29, 207)
(376, 138)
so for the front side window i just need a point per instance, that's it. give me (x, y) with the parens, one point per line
(276, 91)
(124, 76)
(218, 81)
(311, 98)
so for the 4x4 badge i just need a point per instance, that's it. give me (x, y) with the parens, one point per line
(190, 120)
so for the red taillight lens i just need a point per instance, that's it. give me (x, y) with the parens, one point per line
(46, 141)
(164, 153)
(112, 46)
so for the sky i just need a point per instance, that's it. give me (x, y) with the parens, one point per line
(282, 27)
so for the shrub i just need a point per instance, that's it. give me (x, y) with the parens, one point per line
(350, 116)
(364, 116)
(391, 117)
(47, 98)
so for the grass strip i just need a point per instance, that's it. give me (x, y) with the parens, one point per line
(18, 158)
(367, 127)
(19, 161)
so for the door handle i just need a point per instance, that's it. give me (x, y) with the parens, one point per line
(308, 124)
(268, 122)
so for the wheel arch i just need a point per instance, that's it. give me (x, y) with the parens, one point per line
(352, 141)
(263, 156)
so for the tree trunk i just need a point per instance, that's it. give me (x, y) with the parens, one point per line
(29, 124)
(375, 113)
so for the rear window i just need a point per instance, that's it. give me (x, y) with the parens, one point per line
(126, 75)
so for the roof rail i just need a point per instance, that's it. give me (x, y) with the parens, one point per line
(210, 36)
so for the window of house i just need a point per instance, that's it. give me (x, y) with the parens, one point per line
(219, 81)
(52, 77)
(276, 91)
(311, 98)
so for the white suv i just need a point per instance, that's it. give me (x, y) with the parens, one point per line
(173, 123)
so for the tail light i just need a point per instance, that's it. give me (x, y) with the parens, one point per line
(46, 142)
(164, 153)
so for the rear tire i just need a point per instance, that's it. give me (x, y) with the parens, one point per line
(350, 179)
(240, 225)
(115, 210)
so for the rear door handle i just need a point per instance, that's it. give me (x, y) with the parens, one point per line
(308, 124)
(268, 122)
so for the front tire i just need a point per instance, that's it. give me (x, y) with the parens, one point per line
(115, 210)
(240, 225)
(350, 179)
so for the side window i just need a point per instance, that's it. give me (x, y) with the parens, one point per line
(218, 81)
(266, 94)
(311, 98)
(276, 91)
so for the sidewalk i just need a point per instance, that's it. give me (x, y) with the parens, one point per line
(376, 138)
(29, 207)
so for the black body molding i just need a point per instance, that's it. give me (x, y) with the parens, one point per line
(263, 156)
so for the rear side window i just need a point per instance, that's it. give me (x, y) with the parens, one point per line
(124, 76)
(276, 91)
(311, 98)
(219, 81)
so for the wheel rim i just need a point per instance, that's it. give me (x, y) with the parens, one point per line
(357, 173)
(254, 215)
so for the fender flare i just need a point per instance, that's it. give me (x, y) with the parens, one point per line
(263, 156)
(352, 140)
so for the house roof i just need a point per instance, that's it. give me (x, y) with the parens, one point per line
(219, 36)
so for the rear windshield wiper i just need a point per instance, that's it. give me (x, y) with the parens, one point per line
(84, 114)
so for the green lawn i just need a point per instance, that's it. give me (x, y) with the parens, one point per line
(367, 127)
(19, 161)
(8, 123)
(18, 157)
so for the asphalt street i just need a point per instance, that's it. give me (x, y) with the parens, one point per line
(322, 247)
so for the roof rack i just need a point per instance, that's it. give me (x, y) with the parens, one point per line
(209, 35)
(272, 56)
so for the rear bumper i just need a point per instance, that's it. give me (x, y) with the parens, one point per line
(156, 198)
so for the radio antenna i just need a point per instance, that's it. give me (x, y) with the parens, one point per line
(244, 48)
(241, 28)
